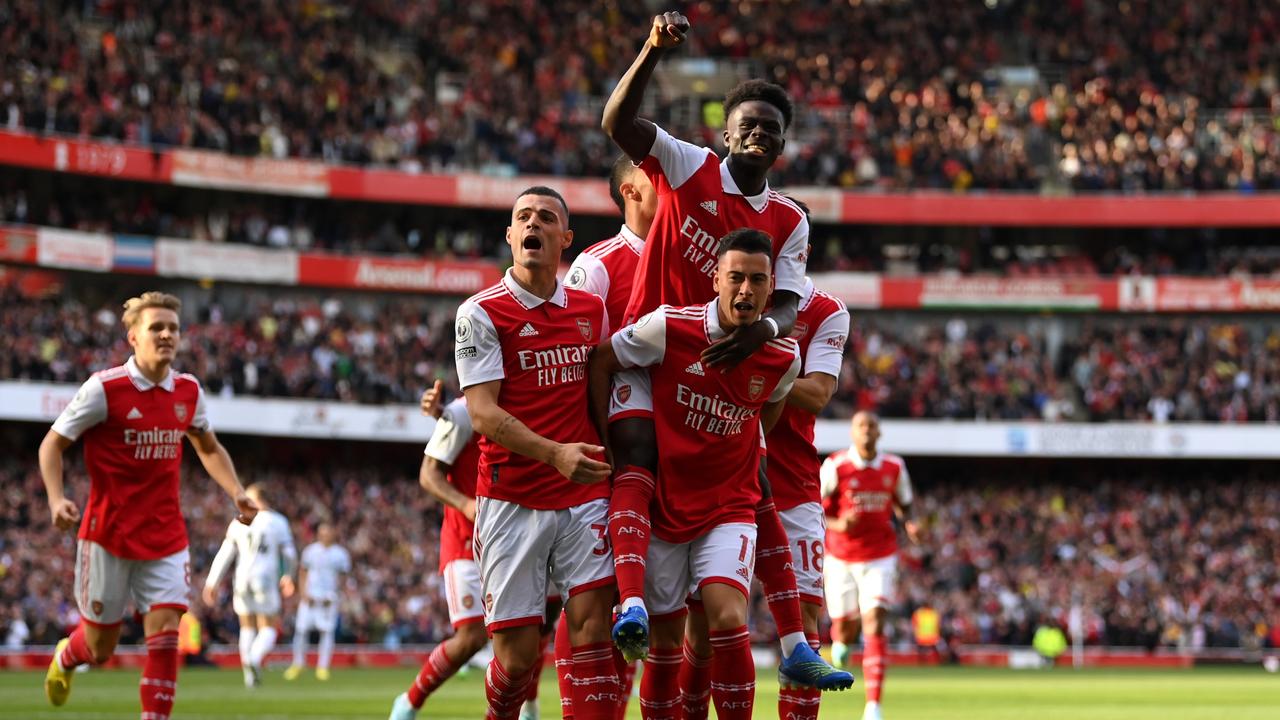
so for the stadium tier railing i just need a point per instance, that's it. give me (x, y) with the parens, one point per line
(40, 402)
(306, 178)
(61, 249)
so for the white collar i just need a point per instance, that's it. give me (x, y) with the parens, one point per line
(635, 241)
(731, 187)
(559, 298)
(711, 323)
(141, 382)
(858, 462)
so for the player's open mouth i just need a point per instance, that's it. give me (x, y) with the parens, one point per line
(531, 242)
(744, 307)
(756, 149)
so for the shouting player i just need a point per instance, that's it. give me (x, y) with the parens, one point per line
(324, 563)
(862, 489)
(700, 199)
(449, 473)
(133, 540)
(265, 559)
(708, 424)
(542, 492)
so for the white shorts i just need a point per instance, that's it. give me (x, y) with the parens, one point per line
(632, 394)
(806, 527)
(321, 615)
(105, 583)
(859, 586)
(525, 555)
(676, 571)
(260, 597)
(462, 590)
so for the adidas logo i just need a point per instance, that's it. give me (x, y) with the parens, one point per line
(527, 331)
(709, 206)
(696, 369)
(134, 414)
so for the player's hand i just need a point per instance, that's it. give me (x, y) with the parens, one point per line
(286, 587)
(210, 596)
(431, 400)
(248, 509)
(64, 513)
(469, 510)
(727, 352)
(574, 461)
(668, 30)
(913, 531)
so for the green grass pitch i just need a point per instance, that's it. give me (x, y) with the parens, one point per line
(910, 694)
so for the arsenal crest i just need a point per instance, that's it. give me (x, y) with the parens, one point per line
(96, 606)
(180, 411)
(756, 386)
(584, 327)
(623, 393)
(468, 601)
(799, 330)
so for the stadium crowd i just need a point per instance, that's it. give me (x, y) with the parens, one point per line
(964, 367)
(1158, 95)
(1154, 562)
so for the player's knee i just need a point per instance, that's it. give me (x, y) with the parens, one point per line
(873, 621)
(666, 632)
(470, 638)
(634, 443)
(727, 615)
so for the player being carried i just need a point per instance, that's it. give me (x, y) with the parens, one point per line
(542, 493)
(708, 424)
(448, 472)
(133, 539)
(700, 199)
(324, 563)
(862, 490)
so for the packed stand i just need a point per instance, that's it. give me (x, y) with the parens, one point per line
(1160, 95)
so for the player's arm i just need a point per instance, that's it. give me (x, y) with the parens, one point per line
(822, 363)
(217, 462)
(601, 367)
(434, 478)
(902, 501)
(622, 121)
(743, 342)
(491, 420)
(812, 392)
(302, 575)
(221, 563)
(86, 409)
(288, 562)
(778, 398)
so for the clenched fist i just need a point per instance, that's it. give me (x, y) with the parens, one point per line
(668, 30)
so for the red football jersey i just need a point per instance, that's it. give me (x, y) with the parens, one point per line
(870, 488)
(707, 421)
(699, 203)
(133, 432)
(454, 443)
(539, 349)
(822, 325)
(608, 271)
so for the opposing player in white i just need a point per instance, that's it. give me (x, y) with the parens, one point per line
(265, 560)
(324, 562)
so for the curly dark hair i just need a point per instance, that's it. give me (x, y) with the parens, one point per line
(763, 90)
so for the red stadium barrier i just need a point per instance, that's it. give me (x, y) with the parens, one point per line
(194, 168)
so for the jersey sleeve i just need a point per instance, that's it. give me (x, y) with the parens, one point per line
(643, 343)
(789, 267)
(222, 561)
(288, 551)
(828, 478)
(826, 348)
(86, 409)
(309, 557)
(452, 433)
(676, 160)
(903, 491)
(787, 381)
(476, 346)
(345, 564)
(589, 274)
(200, 418)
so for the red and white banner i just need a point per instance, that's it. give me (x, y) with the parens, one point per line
(74, 250)
(994, 292)
(226, 172)
(244, 263)
(370, 273)
(1188, 294)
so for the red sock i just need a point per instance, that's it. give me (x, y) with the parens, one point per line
(564, 667)
(629, 527)
(159, 676)
(660, 685)
(773, 567)
(437, 668)
(733, 674)
(873, 662)
(627, 673)
(504, 692)
(537, 669)
(695, 685)
(800, 703)
(77, 651)
(596, 688)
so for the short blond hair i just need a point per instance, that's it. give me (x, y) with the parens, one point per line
(134, 306)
